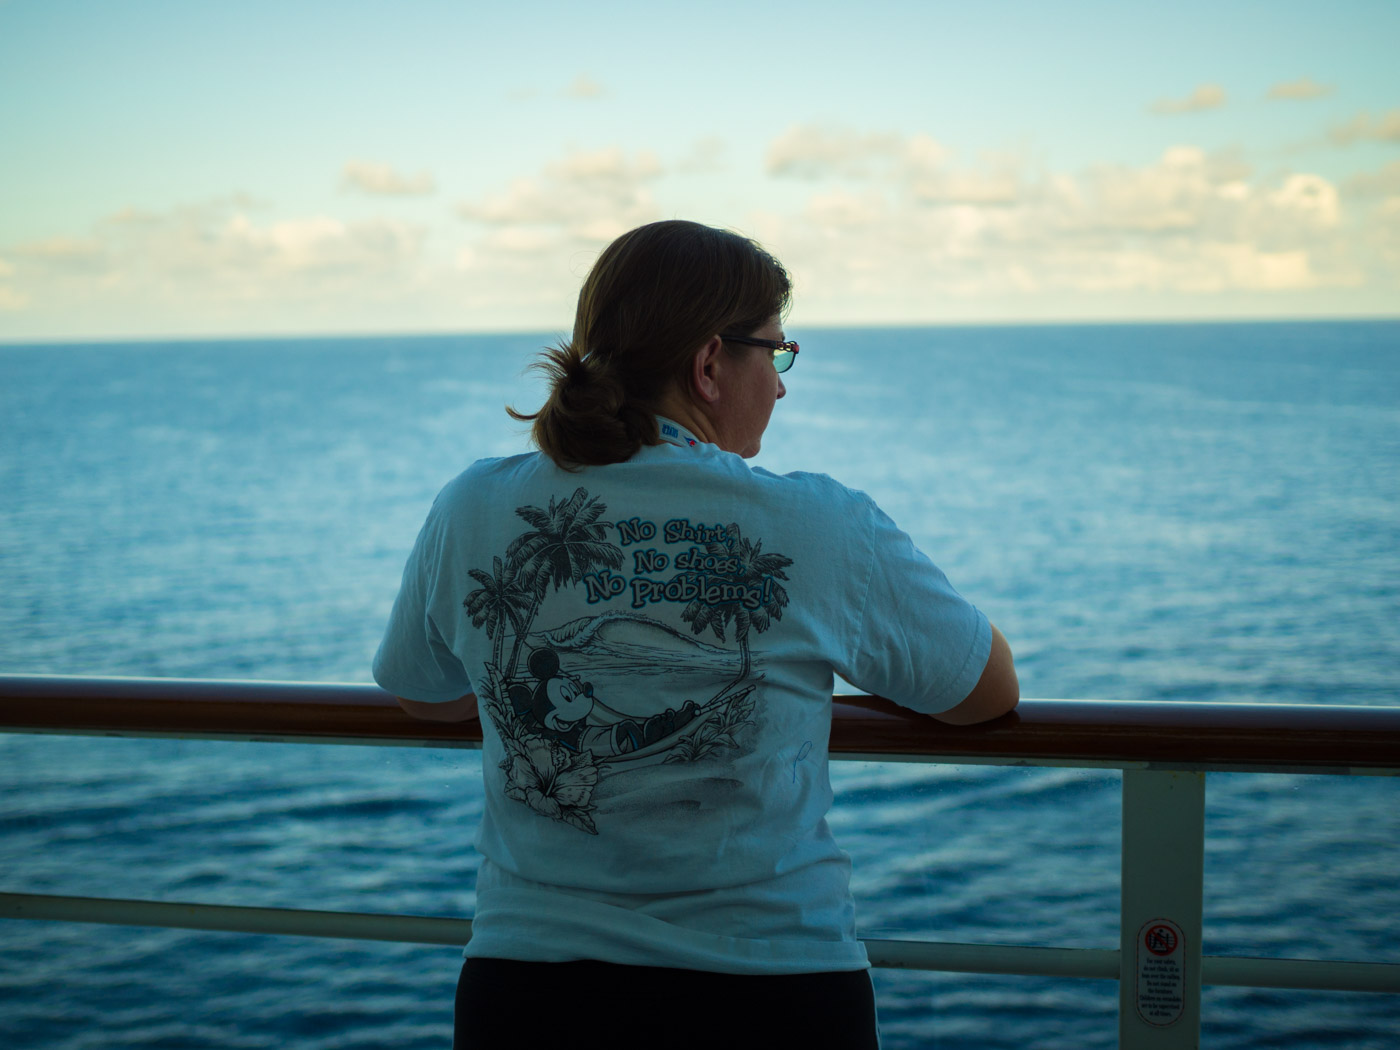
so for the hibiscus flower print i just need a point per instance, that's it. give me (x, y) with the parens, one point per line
(553, 781)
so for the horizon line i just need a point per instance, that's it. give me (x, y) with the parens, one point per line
(309, 336)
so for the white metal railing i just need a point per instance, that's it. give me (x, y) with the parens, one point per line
(1164, 752)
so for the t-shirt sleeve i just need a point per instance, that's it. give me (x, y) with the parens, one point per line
(919, 642)
(413, 660)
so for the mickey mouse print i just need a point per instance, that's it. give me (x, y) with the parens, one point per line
(632, 681)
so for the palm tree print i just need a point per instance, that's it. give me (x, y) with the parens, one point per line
(501, 600)
(567, 542)
(755, 570)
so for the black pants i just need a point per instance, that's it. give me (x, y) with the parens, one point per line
(579, 1005)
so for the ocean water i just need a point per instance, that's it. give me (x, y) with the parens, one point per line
(1174, 512)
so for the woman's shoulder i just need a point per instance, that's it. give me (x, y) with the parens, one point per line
(811, 485)
(483, 477)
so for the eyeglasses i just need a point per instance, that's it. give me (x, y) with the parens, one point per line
(784, 353)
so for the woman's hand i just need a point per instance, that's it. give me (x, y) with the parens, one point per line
(463, 709)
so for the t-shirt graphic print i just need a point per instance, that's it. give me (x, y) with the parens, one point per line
(662, 666)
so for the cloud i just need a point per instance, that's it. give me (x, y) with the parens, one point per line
(526, 247)
(995, 186)
(68, 253)
(918, 162)
(10, 298)
(221, 240)
(212, 260)
(588, 195)
(315, 245)
(1385, 128)
(808, 152)
(231, 264)
(874, 225)
(705, 157)
(1297, 90)
(584, 86)
(1382, 183)
(1189, 223)
(842, 210)
(1206, 96)
(900, 224)
(382, 180)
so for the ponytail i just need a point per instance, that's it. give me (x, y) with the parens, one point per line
(587, 419)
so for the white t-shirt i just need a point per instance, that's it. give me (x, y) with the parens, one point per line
(652, 644)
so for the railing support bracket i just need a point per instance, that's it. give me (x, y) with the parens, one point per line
(1159, 987)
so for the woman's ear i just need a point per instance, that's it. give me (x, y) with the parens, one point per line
(704, 370)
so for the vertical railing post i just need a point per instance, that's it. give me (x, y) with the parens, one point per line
(1159, 987)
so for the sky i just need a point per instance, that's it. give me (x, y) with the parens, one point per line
(175, 169)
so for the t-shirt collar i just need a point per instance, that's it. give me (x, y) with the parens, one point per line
(675, 434)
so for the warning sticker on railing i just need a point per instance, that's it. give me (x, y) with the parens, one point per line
(1161, 972)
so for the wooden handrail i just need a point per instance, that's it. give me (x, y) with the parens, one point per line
(1174, 735)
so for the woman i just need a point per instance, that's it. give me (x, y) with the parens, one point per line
(651, 628)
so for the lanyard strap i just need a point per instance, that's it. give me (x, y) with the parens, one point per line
(675, 434)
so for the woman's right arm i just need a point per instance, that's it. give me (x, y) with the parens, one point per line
(995, 693)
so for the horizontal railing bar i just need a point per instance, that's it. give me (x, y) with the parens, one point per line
(1311, 974)
(263, 738)
(1011, 959)
(1176, 735)
(237, 918)
(1007, 959)
(847, 756)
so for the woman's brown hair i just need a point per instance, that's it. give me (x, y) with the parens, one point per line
(652, 299)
